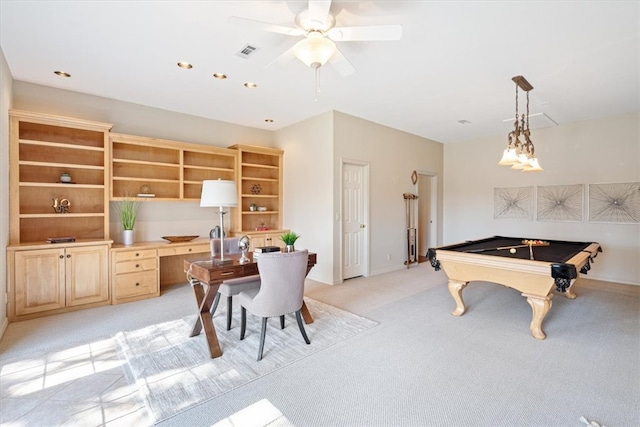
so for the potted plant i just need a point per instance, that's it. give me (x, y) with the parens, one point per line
(289, 238)
(128, 211)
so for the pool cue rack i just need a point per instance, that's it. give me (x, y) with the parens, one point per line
(411, 229)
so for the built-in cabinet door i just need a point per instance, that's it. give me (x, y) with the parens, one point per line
(86, 275)
(39, 280)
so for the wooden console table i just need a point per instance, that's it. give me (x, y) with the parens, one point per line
(208, 272)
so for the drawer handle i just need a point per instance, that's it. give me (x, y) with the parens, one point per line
(68, 256)
(137, 283)
(189, 249)
(137, 265)
(227, 273)
(137, 254)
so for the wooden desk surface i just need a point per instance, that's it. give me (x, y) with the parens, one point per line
(209, 272)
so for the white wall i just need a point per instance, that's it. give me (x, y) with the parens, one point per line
(605, 150)
(392, 155)
(155, 219)
(308, 188)
(6, 94)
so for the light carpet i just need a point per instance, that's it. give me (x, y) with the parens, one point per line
(174, 372)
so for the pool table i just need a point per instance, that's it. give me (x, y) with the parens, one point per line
(534, 269)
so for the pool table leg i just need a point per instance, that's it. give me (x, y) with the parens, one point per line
(540, 306)
(455, 289)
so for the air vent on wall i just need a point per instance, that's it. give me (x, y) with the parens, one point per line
(247, 51)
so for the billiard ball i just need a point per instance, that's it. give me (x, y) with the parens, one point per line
(512, 250)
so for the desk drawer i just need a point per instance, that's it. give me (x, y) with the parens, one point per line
(136, 284)
(136, 266)
(132, 255)
(182, 250)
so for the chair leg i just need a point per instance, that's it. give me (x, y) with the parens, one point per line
(282, 322)
(216, 300)
(301, 326)
(263, 332)
(229, 311)
(243, 321)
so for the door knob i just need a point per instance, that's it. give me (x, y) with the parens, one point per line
(362, 226)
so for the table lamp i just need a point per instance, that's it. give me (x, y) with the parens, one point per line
(221, 194)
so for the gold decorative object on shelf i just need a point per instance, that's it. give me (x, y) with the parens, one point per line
(61, 206)
(256, 189)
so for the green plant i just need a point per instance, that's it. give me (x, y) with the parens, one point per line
(128, 211)
(289, 238)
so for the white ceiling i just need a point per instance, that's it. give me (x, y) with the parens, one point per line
(454, 62)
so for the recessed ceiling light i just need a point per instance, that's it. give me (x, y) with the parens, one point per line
(268, 120)
(186, 65)
(250, 85)
(62, 74)
(219, 76)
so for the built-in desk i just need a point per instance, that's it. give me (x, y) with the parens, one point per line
(138, 271)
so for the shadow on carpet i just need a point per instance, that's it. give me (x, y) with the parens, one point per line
(173, 372)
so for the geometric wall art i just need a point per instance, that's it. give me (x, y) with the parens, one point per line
(513, 203)
(618, 202)
(560, 203)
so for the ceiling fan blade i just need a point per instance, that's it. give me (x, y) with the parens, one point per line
(341, 64)
(364, 33)
(318, 12)
(264, 26)
(283, 59)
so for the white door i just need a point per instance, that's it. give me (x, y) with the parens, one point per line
(353, 220)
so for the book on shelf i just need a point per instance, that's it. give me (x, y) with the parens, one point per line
(266, 249)
(61, 239)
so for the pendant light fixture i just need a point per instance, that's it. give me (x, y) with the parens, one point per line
(518, 154)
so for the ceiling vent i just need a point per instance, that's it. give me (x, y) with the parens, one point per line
(247, 51)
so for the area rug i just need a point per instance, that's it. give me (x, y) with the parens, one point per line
(173, 372)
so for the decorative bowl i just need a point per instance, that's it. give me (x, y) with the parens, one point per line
(174, 239)
(262, 209)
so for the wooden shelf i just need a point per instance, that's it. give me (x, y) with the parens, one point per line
(173, 170)
(259, 166)
(43, 147)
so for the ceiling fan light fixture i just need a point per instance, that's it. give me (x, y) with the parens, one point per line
(315, 50)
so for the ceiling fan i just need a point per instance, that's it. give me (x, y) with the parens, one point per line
(318, 26)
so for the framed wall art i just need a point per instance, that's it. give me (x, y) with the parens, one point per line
(513, 203)
(615, 203)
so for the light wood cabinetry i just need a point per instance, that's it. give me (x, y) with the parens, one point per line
(169, 170)
(46, 278)
(57, 279)
(134, 274)
(42, 148)
(260, 184)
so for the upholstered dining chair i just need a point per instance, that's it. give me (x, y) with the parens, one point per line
(281, 291)
(231, 287)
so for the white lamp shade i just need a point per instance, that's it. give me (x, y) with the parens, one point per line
(314, 50)
(218, 193)
(534, 166)
(509, 157)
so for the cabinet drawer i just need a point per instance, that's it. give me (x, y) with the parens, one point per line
(132, 255)
(136, 266)
(135, 284)
(183, 250)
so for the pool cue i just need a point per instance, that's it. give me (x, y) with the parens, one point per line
(499, 248)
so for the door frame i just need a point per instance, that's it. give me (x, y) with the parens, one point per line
(432, 232)
(366, 201)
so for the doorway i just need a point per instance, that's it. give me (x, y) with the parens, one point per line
(355, 219)
(427, 191)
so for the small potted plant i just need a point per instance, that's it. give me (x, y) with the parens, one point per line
(128, 211)
(289, 238)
